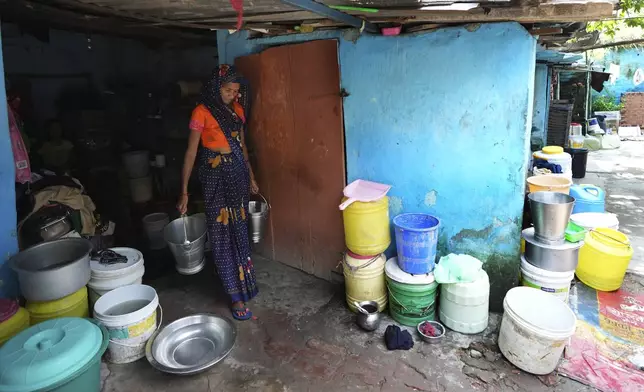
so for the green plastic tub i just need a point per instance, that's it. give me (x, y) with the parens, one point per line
(409, 304)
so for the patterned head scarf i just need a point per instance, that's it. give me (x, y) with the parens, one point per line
(225, 116)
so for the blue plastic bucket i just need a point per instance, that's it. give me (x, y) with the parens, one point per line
(416, 240)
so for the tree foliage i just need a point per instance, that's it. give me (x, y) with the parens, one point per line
(629, 15)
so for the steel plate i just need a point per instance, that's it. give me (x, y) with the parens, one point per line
(191, 344)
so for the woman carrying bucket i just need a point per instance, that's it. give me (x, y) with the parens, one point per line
(217, 133)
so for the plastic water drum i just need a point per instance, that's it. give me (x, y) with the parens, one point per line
(416, 240)
(557, 156)
(366, 227)
(73, 305)
(603, 259)
(464, 307)
(412, 298)
(364, 279)
(588, 198)
(535, 329)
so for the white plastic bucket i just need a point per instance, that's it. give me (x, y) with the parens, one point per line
(594, 220)
(534, 330)
(153, 224)
(141, 189)
(105, 278)
(555, 283)
(464, 307)
(137, 163)
(130, 315)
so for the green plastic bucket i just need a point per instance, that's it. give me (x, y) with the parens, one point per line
(409, 304)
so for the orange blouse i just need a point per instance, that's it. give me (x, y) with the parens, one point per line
(203, 122)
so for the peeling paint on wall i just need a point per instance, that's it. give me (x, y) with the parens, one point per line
(450, 115)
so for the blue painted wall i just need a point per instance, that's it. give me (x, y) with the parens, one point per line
(8, 240)
(629, 60)
(541, 102)
(445, 118)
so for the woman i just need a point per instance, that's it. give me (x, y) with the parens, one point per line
(217, 132)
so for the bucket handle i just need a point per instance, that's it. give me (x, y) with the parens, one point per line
(354, 269)
(423, 311)
(139, 345)
(265, 201)
(610, 237)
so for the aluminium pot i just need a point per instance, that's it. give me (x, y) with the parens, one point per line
(555, 258)
(53, 270)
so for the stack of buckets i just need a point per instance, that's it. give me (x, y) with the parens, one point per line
(410, 278)
(137, 166)
(367, 236)
(549, 261)
(107, 277)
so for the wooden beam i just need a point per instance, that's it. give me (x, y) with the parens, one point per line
(546, 31)
(609, 45)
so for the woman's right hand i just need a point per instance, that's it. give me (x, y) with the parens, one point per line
(182, 204)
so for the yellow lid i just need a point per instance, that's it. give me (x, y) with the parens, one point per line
(65, 303)
(552, 150)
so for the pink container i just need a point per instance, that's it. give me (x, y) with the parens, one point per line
(388, 31)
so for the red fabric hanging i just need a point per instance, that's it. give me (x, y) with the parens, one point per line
(238, 5)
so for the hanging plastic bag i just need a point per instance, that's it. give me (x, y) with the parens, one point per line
(457, 269)
(20, 155)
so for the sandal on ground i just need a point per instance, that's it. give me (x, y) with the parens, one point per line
(241, 314)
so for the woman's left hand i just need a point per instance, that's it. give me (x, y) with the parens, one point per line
(254, 188)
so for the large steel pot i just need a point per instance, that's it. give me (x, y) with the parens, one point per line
(556, 258)
(53, 270)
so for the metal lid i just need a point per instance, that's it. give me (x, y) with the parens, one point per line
(528, 235)
(101, 271)
(8, 307)
(48, 353)
(394, 272)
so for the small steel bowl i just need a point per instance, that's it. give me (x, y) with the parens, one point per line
(432, 339)
(191, 344)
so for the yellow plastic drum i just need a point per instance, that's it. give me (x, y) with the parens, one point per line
(549, 183)
(366, 227)
(603, 259)
(74, 305)
(15, 324)
(364, 279)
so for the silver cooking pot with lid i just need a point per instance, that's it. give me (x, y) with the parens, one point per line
(53, 270)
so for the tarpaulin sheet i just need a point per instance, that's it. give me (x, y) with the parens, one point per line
(607, 349)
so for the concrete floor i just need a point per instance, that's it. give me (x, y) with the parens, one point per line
(304, 338)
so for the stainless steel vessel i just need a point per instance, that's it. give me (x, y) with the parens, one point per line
(550, 215)
(53, 270)
(556, 258)
(370, 321)
(191, 344)
(189, 257)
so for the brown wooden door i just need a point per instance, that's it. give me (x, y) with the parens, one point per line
(297, 141)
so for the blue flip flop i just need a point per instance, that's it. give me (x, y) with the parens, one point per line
(245, 311)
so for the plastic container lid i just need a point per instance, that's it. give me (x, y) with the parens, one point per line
(108, 271)
(394, 272)
(48, 353)
(8, 308)
(552, 150)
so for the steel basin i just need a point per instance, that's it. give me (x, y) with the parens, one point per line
(556, 258)
(550, 215)
(53, 270)
(191, 344)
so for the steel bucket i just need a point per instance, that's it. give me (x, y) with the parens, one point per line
(189, 258)
(258, 211)
(550, 215)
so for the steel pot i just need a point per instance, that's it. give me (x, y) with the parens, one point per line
(53, 270)
(55, 229)
(556, 258)
(371, 321)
